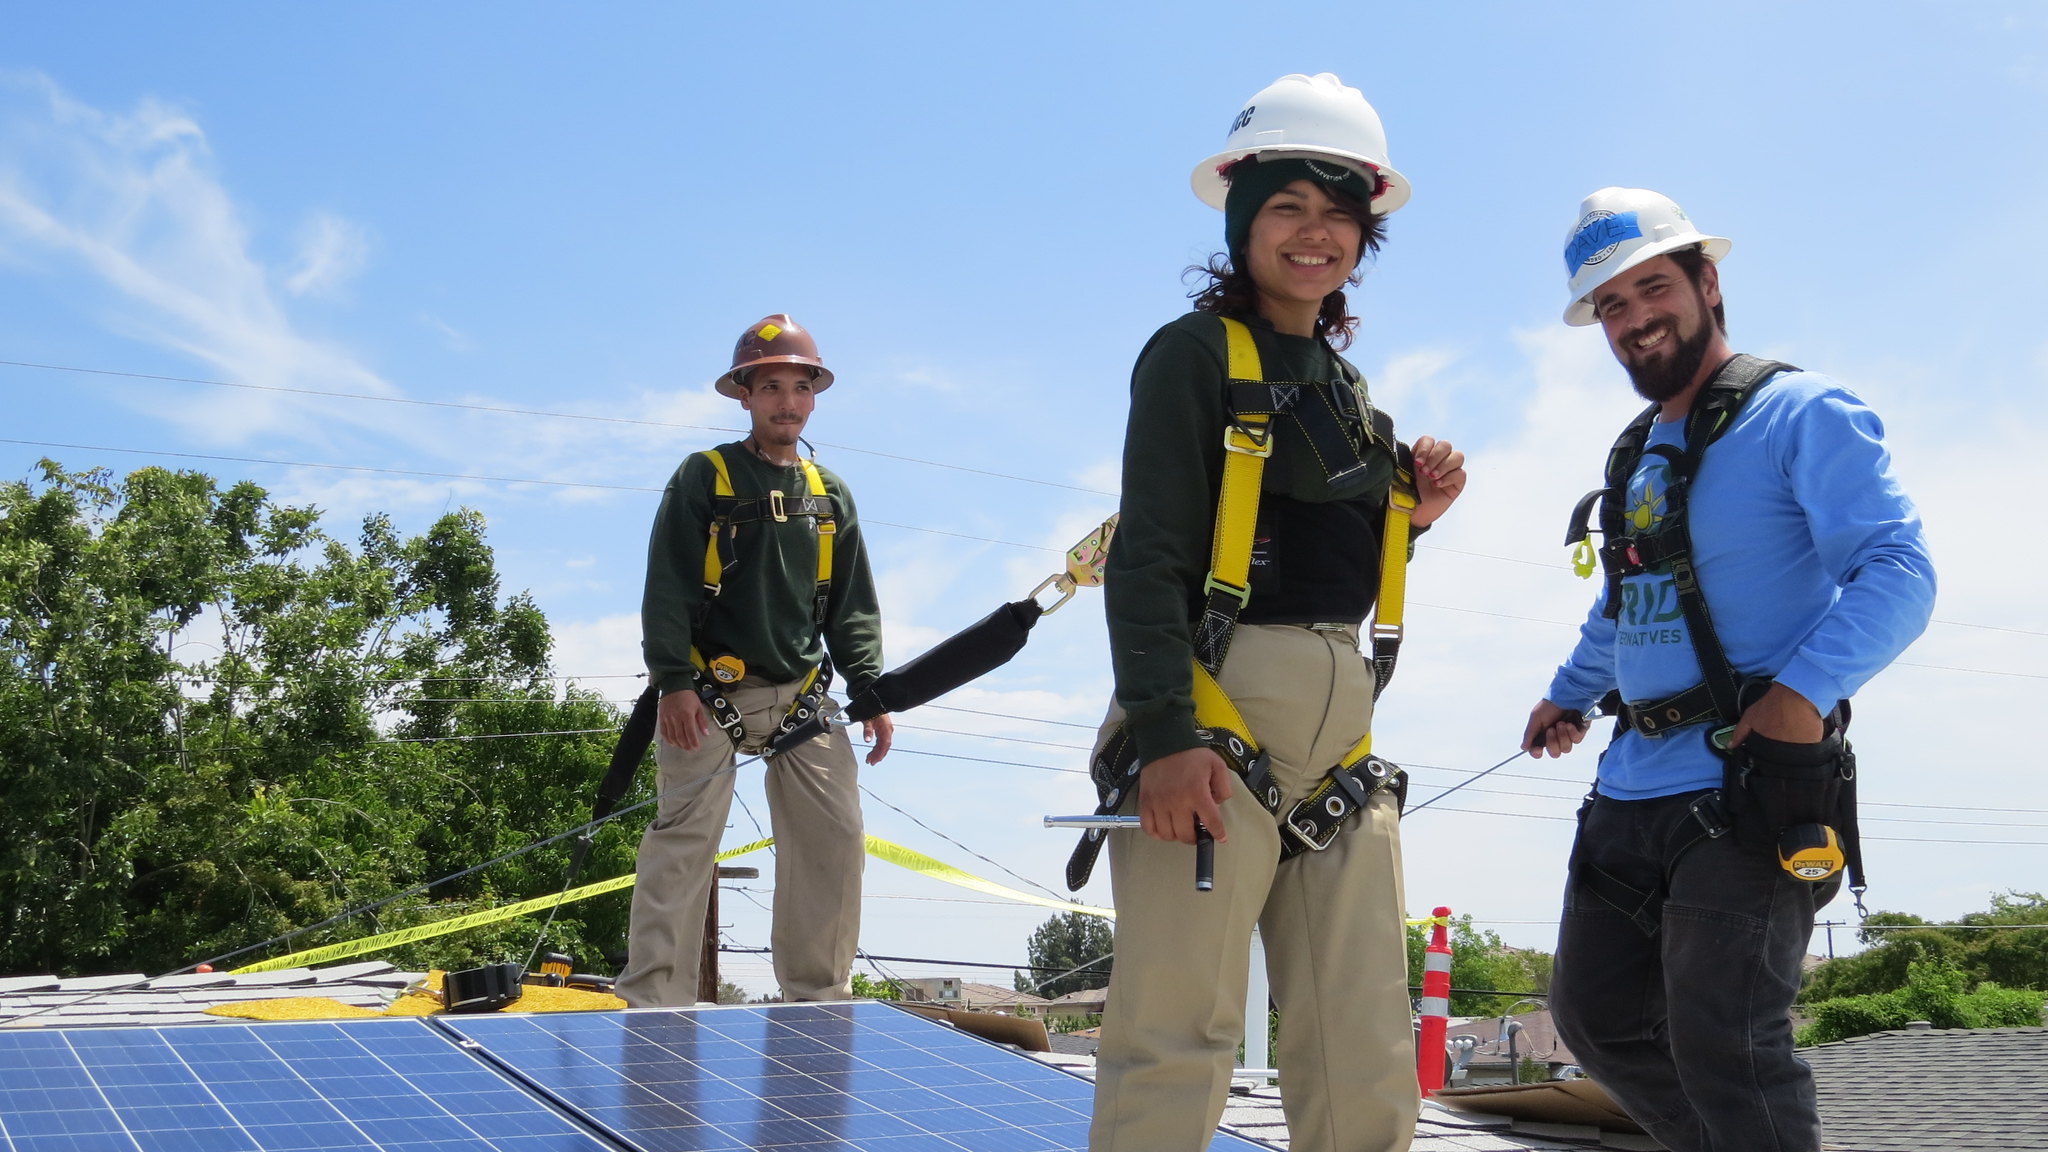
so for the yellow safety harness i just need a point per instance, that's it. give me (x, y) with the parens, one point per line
(728, 511)
(1313, 823)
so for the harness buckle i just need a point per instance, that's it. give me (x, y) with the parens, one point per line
(1385, 632)
(1211, 586)
(1242, 438)
(776, 511)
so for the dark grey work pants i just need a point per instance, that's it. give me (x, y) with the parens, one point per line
(1689, 1029)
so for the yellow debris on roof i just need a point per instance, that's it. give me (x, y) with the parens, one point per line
(292, 1008)
(422, 999)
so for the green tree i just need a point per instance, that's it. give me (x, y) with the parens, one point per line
(221, 724)
(866, 987)
(1935, 991)
(2006, 944)
(1486, 974)
(1068, 953)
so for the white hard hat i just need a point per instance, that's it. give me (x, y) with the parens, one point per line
(1618, 229)
(1309, 117)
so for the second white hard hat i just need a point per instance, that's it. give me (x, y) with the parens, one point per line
(1311, 117)
(1618, 229)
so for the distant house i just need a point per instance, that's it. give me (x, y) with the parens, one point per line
(1085, 1002)
(952, 992)
(1490, 1063)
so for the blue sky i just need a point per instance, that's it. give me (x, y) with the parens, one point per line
(981, 215)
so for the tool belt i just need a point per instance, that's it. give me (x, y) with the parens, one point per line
(806, 718)
(1771, 786)
(1767, 787)
(1313, 822)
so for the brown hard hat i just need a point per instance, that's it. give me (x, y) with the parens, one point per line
(773, 340)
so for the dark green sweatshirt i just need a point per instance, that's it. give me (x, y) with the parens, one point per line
(762, 613)
(1324, 537)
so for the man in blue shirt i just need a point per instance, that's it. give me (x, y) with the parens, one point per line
(1679, 951)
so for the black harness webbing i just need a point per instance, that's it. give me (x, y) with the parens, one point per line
(1709, 820)
(1626, 550)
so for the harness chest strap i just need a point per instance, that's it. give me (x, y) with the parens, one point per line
(729, 511)
(1624, 553)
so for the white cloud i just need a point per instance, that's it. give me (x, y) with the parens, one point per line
(131, 199)
(454, 338)
(331, 251)
(602, 649)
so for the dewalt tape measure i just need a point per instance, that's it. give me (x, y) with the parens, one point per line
(1810, 851)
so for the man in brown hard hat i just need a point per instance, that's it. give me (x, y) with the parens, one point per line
(756, 571)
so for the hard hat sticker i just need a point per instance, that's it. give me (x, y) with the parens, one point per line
(1598, 236)
(770, 331)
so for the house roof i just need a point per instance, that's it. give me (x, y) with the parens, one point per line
(50, 1001)
(992, 994)
(1254, 1110)
(1537, 1041)
(1906, 1091)
(1934, 1089)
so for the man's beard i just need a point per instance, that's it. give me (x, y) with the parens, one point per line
(1660, 381)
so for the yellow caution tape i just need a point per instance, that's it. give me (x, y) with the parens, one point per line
(877, 847)
(924, 865)
(418, 932)
(881, 849)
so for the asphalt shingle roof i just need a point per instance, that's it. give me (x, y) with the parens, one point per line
(1934, 1090)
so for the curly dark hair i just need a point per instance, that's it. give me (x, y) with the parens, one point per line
(1230, 292)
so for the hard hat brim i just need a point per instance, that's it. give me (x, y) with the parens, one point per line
(1579, 313)
(728, 384)
(1213, 189)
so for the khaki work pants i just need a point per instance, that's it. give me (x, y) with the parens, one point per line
(820, 849)
(1336, 950)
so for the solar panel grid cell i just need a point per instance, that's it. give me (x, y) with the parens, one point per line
(375, 1086)
(859, 1077)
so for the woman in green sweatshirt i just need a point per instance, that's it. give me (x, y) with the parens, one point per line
(1305, 189)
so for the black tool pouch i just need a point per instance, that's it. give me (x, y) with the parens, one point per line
(1771, 786)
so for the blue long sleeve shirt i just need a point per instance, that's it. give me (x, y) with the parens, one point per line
(1812, 558)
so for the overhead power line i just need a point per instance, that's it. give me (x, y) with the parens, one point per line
(468, 476)
(504, 411)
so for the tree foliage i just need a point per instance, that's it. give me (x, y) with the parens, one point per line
(220, 724)
(1067, 954)
(866, 987)
(1486, 974)
(1986, 970)
(1997, 945)
(1935, 991)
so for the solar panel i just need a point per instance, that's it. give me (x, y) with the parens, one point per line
(853, 1077)
(394, 1084)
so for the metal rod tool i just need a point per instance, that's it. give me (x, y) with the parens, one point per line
(1205, 844)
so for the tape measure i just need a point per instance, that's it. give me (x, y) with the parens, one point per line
(1810, 851)
(728, 669)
